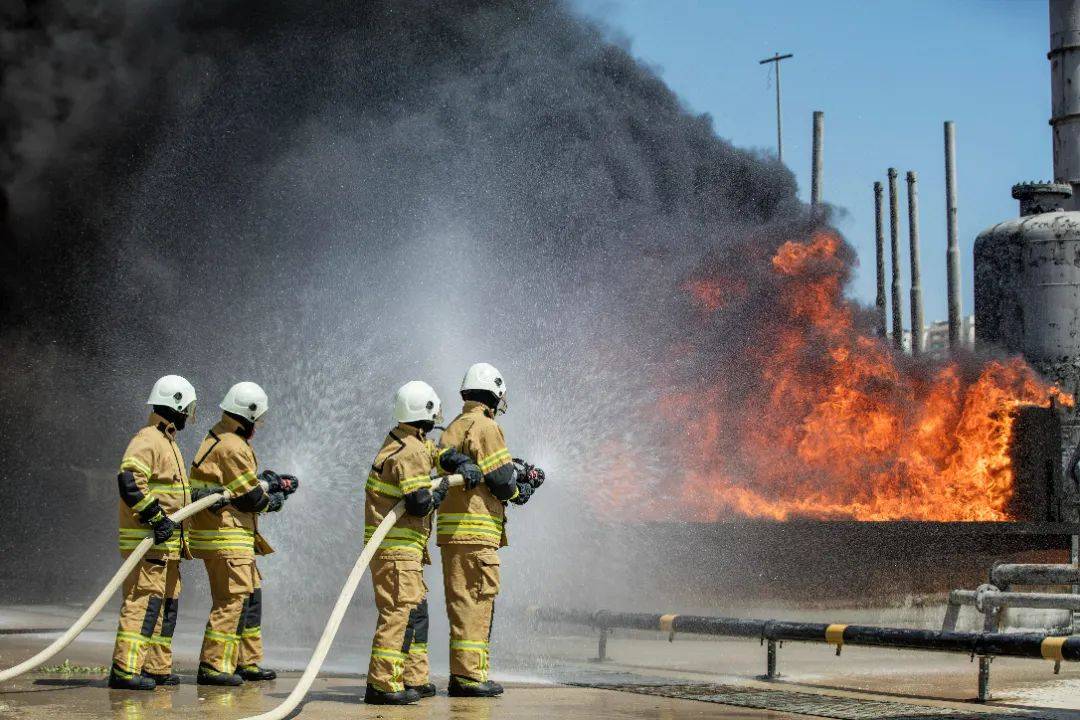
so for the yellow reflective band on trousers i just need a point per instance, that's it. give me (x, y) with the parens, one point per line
(494, 460)
(375, 485)
(136, 642)
(254, 632)
(226, 539)
(136, 465)
(418, 649)
(474, 646)
(414, 483)
(231, 643)
(397, 662)
(464, 524)
(131, 537)
(399, 539)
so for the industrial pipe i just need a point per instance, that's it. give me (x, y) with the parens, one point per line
(1008, 574)
(916, 272)
(990, 598)
(816, 159)
(894, 246)
(338, 613)
(879, 256)
(952, 252)
(110, 588)
(1028, 645)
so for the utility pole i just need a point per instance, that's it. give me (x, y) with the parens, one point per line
(776, 58)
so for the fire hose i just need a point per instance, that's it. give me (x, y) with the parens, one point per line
(338, 614)
(103, 597)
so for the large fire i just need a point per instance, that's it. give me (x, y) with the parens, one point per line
(815, 417)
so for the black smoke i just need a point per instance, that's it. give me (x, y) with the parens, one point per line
(333, 199)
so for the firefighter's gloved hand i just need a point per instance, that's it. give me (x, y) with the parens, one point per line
(529, 474)
(524, 493)
(199, 493)
(438, 493)
(163, 527)
(277, 501)
(472, 475)
(275, 483)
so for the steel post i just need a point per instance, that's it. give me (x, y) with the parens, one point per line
(952, 252)
(879, 250)
(816, 157)
(894, 248)
(916, 273)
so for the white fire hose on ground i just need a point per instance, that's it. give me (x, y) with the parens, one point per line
(319, 655)
(114, 584)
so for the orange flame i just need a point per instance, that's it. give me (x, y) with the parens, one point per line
(841, 426)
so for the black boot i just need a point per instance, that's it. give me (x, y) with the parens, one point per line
(464, 687)
(425, 690)
(120, 681)
(166, 679)
(210, 676)
(374, 696)
(254, 672)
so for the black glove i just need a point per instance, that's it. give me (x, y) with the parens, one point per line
(163, 527)
(438, 493)
(471, 473)
(285, 484)
(525, 492)
(529, 474)
(277, 501)
(199, 493)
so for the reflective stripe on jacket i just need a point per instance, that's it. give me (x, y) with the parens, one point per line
(474, 516)
(153, 458)
(226, 459)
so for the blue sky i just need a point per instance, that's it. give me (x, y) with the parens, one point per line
(886, 74)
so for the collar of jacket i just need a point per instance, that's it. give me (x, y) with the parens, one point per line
(162, 424)
(229, 425)
(406, 429)
(472, 406)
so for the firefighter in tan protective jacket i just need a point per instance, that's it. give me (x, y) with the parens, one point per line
(398, 669)
(471, 527)
(226, 537)
(152, 485)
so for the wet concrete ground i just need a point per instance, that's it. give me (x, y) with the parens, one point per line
(540, 673)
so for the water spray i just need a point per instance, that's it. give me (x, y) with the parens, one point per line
(338, 614)
(113, 585)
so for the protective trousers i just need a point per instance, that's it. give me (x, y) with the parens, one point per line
(399, 648)
(148, 618)
(233, 636)
(471, 582)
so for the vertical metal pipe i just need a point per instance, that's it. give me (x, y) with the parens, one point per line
(894, 247)
(916, 275)
(779, 120)
(770, 661)
(1064, 59)
(816, 158)
(952, 252)
(879, 248)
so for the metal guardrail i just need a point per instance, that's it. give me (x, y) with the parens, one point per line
(984, 645)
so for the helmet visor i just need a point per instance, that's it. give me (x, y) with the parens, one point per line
(500, 409)
(190, 410)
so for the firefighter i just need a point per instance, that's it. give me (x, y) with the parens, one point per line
(471, 527)
(226, 537)
(398, 669)
(152, 483)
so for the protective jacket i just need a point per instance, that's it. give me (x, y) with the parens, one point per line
(152, 480)
(226, 460)
(402, 470)
(478, 516)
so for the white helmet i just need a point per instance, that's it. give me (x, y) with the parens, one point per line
(174, 392)
(247, 400)
(415, 401)
(482, 376)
